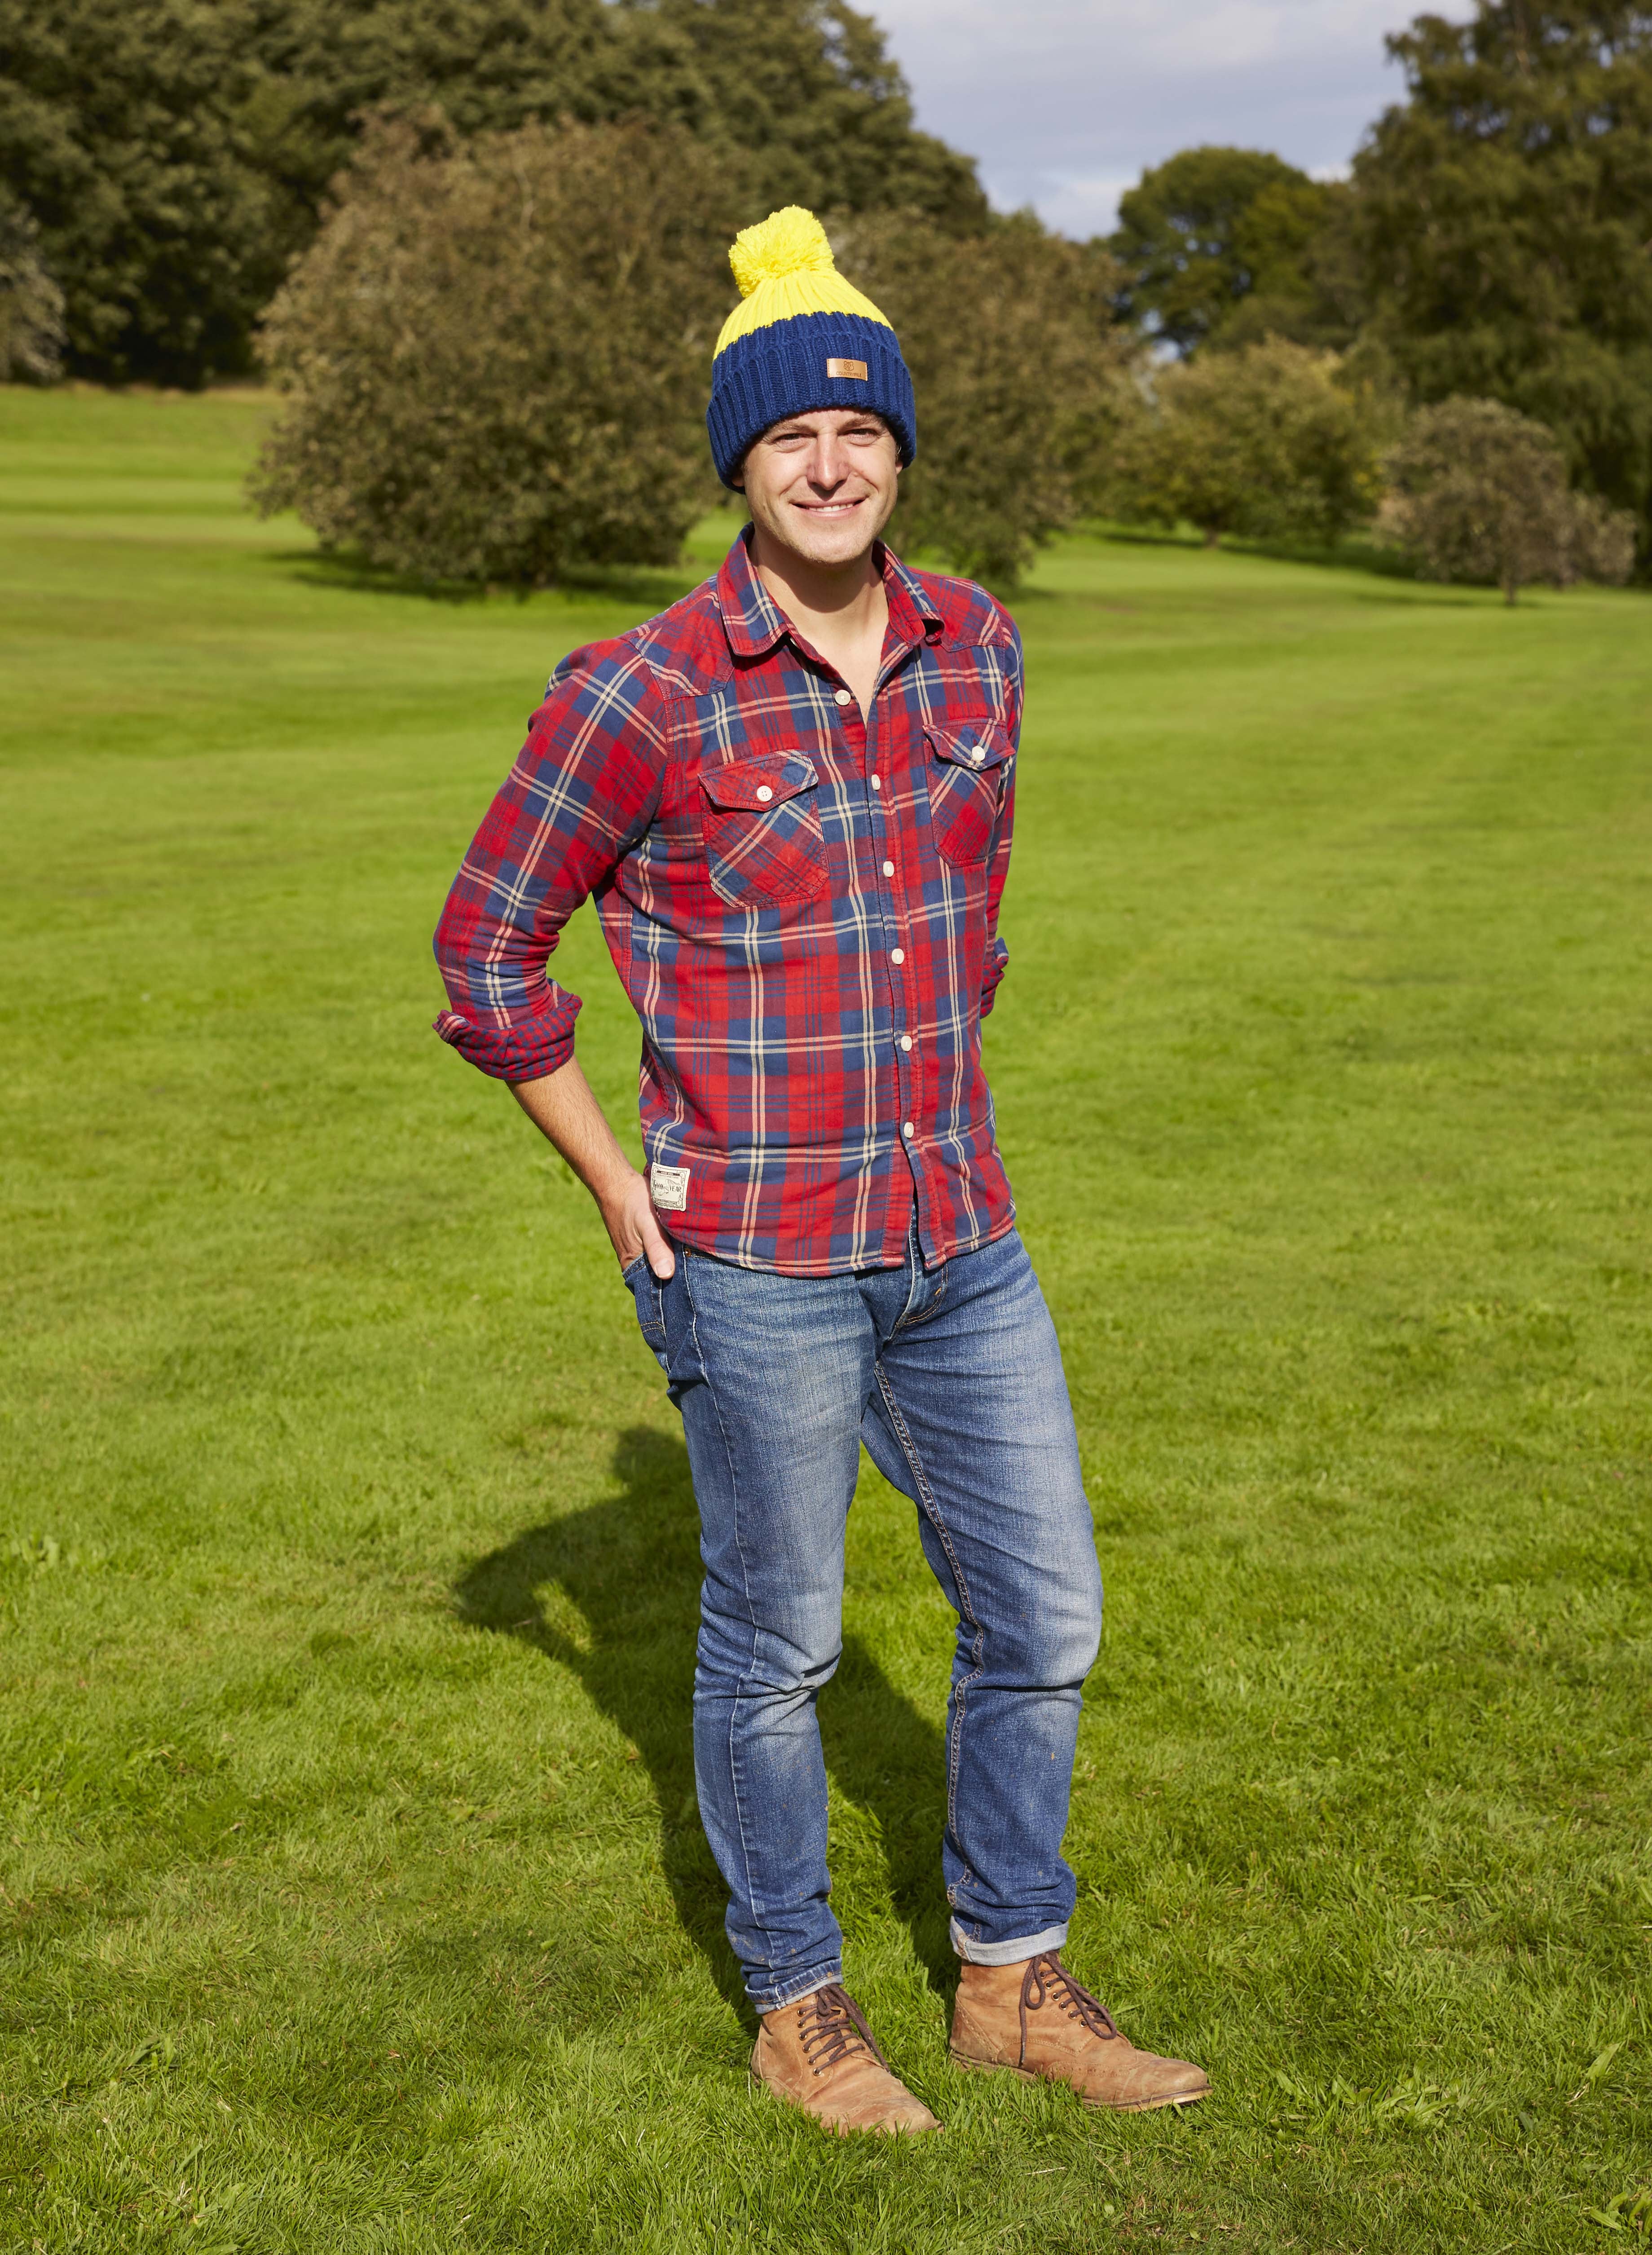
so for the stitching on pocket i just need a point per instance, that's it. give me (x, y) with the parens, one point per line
(768, 850)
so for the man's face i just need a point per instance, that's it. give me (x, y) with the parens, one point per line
(823, 484)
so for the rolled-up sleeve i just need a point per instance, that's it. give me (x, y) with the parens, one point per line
(583, 791)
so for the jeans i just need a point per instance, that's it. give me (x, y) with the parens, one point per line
(951, 1376)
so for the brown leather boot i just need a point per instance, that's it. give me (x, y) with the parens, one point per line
(1034, 2019)
(819, 2055)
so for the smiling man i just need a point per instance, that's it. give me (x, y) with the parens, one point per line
(791, 797)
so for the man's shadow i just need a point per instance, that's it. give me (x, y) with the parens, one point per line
(631, 1569)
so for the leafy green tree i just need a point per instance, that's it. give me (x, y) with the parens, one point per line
(30, 304)
(1261, 442)
(119, 135)
(1479, 493)
(176, 154)
(808, 93)
(1233, 245)
(1505, 209)
(489, 65)
(1021, 374)
(495, 351)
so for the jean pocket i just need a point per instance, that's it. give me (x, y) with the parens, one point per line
(648, 1294)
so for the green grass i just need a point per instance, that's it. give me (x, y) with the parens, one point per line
(355, 1896)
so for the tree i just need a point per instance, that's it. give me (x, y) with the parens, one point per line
(176, 154)
(1008, 429)
(1218, 240)
(1261, 442)
(807, 94)
(30, 304)
(1479, 493)
(1504, 212)
(119, 138)
(495, 351)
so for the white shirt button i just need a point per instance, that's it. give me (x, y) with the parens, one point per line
(764, 793)
(841, 697)
(977, 754)
(897, 955)
(906, 1041)
(877, 782)
(888, 868)
(908, 1129)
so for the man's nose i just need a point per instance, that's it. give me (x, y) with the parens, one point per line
(827, 466)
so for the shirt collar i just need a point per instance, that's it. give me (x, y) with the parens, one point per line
(755, 622)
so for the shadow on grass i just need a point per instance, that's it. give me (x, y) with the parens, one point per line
(630, 1567)
(639, 587)
(1351, 554)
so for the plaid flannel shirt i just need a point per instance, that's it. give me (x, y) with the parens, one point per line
(802, 905)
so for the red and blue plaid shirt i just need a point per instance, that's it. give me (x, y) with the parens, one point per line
(802, 904)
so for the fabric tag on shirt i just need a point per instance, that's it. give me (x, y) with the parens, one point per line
(669, 1188)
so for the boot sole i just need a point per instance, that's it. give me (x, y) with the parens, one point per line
(1098, 2105)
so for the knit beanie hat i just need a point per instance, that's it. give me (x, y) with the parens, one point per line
(801, 339)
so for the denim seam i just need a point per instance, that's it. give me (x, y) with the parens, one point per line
(745, 1571)
(906, 1320)
(812, 1983)
(932, 1511)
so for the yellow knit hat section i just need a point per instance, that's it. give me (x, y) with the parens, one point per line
(784, 267)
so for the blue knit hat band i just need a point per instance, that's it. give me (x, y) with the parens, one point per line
(800, 365)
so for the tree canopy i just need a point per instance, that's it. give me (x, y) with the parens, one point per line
(1504, 210)
(1262, 442)
(175, 154)
(1478, 492)
(1229, 245)
(494, 352)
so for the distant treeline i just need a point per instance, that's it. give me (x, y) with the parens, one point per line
(175, 155)
(168, 167)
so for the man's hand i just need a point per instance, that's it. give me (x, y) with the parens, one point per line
(632, 1228)
(562, 1107)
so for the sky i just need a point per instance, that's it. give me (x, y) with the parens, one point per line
(1066, 103)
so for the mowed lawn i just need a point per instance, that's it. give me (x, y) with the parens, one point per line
(354, 1891)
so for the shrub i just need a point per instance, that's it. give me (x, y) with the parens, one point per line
(1260, 441)
(496, 355)
(1020, 373)
(1479, 493)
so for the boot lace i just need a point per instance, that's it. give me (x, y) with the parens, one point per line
(831, 2028)
(1048, 1982)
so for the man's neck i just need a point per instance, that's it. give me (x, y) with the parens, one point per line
(842, 610)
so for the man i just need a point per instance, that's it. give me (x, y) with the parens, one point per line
(790, 795)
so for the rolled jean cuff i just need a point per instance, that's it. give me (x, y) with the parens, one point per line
(776, 2000)
(1006, 1953)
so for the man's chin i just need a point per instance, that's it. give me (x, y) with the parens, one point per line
(838, 540)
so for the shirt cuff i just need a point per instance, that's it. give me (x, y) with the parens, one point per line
(522, 1052)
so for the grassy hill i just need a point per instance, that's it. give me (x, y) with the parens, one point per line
(356, 1894)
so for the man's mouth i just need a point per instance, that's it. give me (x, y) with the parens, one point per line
(829, 508)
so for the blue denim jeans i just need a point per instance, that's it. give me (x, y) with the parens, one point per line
(951, 1376)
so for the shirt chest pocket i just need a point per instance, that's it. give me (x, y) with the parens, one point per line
(969, 767)
(760, 819)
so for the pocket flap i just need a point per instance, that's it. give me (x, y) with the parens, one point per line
(766, 780)
(978, 745)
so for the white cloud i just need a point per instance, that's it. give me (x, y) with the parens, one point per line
(1066, 103)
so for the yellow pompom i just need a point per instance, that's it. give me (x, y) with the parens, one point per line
(789, 241)
(784, 267)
